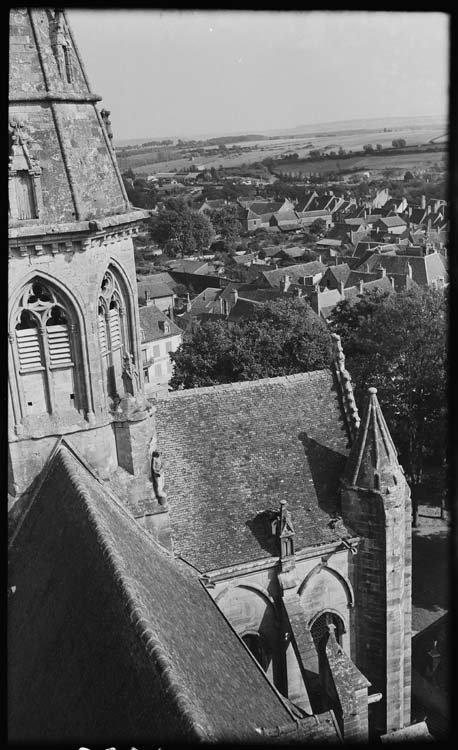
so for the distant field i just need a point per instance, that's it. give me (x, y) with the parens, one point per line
(369, 163)
(349, 140)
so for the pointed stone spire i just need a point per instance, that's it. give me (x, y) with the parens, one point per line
(54, 111)
(372, 463)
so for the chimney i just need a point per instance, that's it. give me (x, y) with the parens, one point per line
(392, 281)
(234, 295)
(409, 270)
(428, 208)
(319, 259)
(315, 303)
(342, 289)
(382, 273)
(285, 283)
(423, 201)
(188, 303)
(409, 211)
(361, 287)
(146, 296)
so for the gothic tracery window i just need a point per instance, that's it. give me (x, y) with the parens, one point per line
(113, 333)
(45, 339)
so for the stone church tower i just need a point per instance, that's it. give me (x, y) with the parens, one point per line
(74, 367)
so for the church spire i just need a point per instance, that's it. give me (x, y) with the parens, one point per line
(372, 463)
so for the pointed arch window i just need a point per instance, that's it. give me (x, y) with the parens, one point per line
(46, 343)
(114, 339)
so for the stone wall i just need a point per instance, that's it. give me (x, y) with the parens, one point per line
(252, 602)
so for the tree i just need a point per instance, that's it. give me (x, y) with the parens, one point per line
(318, 227)
(399, 344)
(226, 223)
(398, 143)
(379, 147)
(408, 176)
(179, 230)
(368, 148)
(281, 338)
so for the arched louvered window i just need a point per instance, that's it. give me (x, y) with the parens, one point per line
(45, 339)
(114, 340)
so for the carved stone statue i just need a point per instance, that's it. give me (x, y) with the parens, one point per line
(130, 376)
(105, 115)
(157, 475)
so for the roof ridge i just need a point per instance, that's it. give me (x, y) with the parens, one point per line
(65, 445)
(240, 384)
(146, 634)
(44, 474)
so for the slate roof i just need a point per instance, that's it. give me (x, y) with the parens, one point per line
(294, 272)
(150, 319)
(232, 452)
(117, 635)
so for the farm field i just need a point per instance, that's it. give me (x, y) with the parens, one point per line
(330, 141)
(369, 163)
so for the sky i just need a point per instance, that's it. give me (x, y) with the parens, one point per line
(191, 73)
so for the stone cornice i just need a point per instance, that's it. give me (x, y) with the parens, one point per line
(55, 96)
(77, 236)
(256, 566)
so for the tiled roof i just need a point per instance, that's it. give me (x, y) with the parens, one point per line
(392, 221)
(265, 207)
(285, 217)
(327, 242)
(417, 216)
(291, 252)
(117, 635)
(232, 452)
(424, 269)
(190, 266)
(319, 213)
(294, 272)
(355, 222)
(205, 301)
(340, 272)
(362, 247)
(150, 319)
(354, 277)
(383, 285)
(156, 288)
